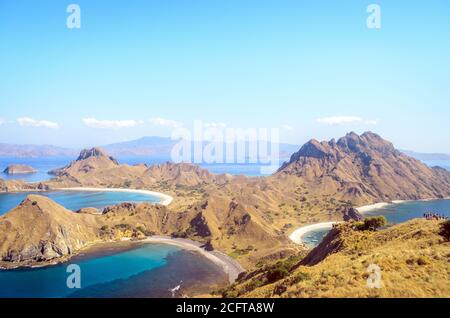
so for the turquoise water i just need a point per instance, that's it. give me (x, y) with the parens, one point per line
(75, 200)
(313, 238)
(398, 213)
(395, 213)
(142, 270)
(51, 281)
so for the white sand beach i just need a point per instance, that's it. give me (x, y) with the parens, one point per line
(297, 235)
(165, 199)
(371, 207)
(231, 267)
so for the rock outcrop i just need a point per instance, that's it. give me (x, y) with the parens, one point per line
(88, 160)
(40, 230)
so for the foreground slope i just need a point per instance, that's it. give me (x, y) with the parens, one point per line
(413, 257)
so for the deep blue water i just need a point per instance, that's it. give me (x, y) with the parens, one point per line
(395, 213)
(51, 281)
(75, 200)
(144, 270)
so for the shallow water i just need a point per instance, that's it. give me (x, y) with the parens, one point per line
(75, 200)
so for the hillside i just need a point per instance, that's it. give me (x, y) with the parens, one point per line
(40, 230)
(413, 258)
(364, 169)
(252, 218)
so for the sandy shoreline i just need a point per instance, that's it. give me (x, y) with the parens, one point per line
(229, 265)
(165, 199)
(371, 207)
(298, 234)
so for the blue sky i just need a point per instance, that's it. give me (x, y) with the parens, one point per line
(146, 66)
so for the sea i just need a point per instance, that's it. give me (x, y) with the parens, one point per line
(144, 270)
(394, 213)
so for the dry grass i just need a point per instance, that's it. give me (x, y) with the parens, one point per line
(413, 257)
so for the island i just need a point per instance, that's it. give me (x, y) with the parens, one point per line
(19, 169)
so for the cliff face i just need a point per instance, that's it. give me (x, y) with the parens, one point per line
(366, 168)
(40, 230)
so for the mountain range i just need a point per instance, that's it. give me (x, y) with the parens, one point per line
(249, 218)
(154, 147)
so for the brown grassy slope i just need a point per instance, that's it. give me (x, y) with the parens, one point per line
(413, 257)
(18, 185)
(251, 218)
(40, 230)
(364, 169)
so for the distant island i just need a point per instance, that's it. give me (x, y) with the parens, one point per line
(155, 147)
(19, 169)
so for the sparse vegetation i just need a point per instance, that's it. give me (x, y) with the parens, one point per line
(412, 266)
(371, 223)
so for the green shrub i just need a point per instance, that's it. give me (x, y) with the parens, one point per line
(300, 277)
(371, 223)
(445, 230)
(277, 272)
(179, 234)
(253, 285)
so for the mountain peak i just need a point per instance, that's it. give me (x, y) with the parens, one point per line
(89, 159)
(95, 152)
(40, 203)
(365, 143)
(314, 149)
